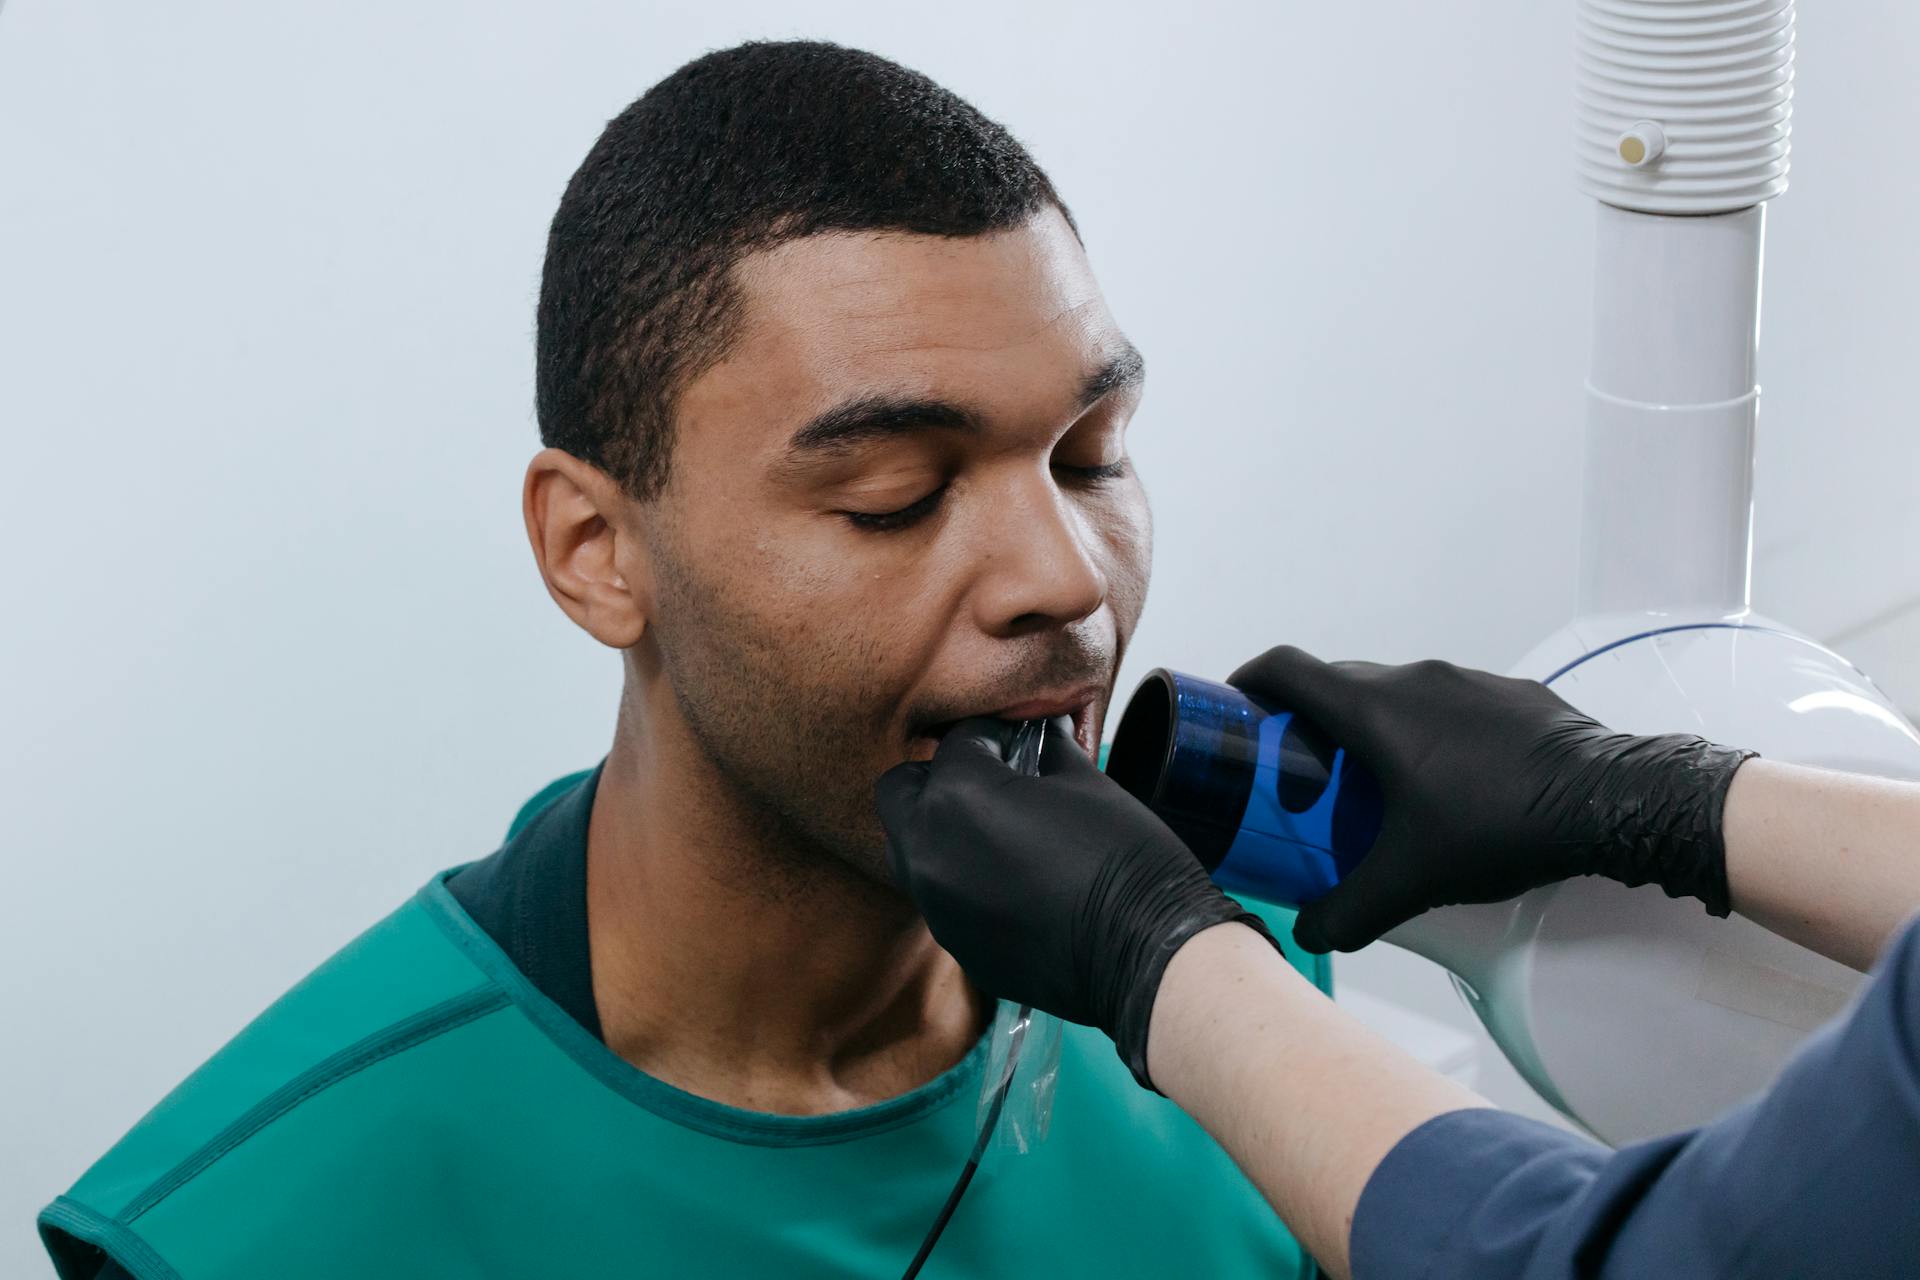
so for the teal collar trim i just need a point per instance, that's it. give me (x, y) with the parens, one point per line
(756, 1128)
(68, 1218)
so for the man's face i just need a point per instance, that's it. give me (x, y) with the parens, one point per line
(903, 498)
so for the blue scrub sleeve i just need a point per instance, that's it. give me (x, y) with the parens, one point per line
(1820, 1176)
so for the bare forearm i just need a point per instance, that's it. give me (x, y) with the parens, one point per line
(1830, 860)
(1305, 1099)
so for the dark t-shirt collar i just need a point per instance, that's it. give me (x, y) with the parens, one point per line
(530, 896)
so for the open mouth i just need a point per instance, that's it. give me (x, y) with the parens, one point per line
(1077, 704)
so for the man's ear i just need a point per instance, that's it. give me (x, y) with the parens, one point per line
(595, 569)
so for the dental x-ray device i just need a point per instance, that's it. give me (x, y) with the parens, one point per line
(1632, 1013)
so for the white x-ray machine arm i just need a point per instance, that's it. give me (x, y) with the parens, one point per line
(1633, 1013)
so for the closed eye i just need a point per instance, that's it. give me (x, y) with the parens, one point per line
(1095, 475)
(889, 521)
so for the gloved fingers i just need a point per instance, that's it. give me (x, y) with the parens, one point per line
(1375, 897)
(1296, 681)
(895, 796)
(975, 741)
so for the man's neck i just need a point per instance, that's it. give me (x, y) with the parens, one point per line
(720, 970)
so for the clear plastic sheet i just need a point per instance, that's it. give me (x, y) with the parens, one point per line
(1027, 1042)
(1023, 1048)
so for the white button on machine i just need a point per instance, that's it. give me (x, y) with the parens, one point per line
(1642, 144)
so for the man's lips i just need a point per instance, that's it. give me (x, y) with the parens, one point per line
(1077, 703)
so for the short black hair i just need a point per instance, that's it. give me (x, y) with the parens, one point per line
(737, 151)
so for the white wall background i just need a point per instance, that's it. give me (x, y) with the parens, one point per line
(272, 649)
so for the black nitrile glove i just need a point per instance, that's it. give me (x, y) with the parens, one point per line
(1494, 786)
(1060, 891)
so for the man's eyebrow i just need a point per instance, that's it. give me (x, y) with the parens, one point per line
(1127, 368)
(876, 417)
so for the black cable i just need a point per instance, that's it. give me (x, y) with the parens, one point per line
(1024, 758)
(985, 1135)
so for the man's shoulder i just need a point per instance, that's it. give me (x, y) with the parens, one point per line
(400, 985)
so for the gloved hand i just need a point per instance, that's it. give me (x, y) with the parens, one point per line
(1060, 891)
(1494, 786)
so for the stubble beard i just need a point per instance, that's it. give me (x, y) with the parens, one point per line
(785, 749)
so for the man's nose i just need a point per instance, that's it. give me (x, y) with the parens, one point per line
(1040, 569)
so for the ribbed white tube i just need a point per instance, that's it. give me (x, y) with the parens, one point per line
(1715, 78)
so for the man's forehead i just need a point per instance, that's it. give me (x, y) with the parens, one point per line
(838, 299)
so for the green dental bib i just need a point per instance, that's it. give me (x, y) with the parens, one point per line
(415, 1107)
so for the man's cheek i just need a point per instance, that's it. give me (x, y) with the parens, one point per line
(1130, 566)
(844, 667)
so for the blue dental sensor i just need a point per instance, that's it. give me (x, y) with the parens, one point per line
(1269, 806)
